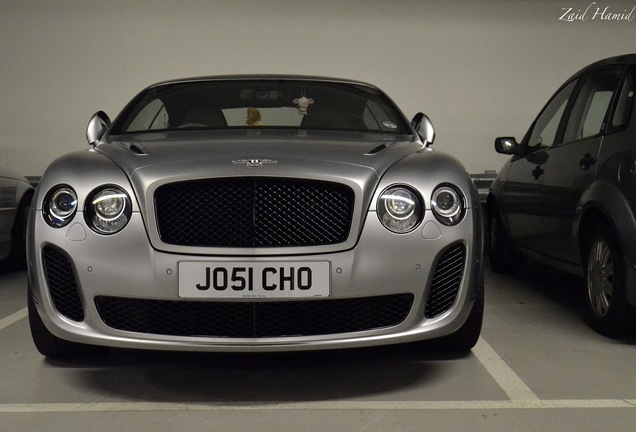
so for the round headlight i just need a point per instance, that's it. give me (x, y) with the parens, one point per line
(400, 209)
(108, 210)
(448, 205)
(60, 205)
(109, 204)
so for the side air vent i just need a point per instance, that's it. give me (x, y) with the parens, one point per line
(446, 281)
(60, 279)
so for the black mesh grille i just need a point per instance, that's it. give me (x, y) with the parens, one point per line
(253, 319)
(446, 281)
(253, 212)
(62, 285)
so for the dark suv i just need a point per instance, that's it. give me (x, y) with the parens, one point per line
(567, 196)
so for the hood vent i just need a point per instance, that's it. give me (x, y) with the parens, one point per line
(377, 150)
(134, 148)
(138, 150)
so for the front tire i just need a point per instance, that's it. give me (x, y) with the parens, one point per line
(607, 308)
(467, 336)
(53, 347)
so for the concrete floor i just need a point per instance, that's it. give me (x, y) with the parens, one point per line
(537, 367)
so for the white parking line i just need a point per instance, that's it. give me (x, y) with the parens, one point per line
(503, 375)
(13, 318)
(324, 405)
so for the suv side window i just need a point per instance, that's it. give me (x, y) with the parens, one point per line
(545, 131)
(625, 104)
(591, 109)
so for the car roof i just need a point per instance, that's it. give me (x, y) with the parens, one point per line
(610, 61)
(264, 77)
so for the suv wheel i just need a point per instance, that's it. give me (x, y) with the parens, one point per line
(607, 306)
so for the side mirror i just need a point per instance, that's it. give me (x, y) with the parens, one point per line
(508, 146)
(97, 127)
(424, 128)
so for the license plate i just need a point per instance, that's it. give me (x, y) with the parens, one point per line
(254, 279)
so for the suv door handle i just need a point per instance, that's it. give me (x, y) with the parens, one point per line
(587, 162)
(537, 172)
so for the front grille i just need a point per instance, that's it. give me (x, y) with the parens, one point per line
(446, 281)
(253, 319)
(254, 212)
(60, 279)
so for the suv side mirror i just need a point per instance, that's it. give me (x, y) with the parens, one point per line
(508, 145)
(424, 128)
(97, 127)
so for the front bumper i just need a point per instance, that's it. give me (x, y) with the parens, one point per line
(434, 269)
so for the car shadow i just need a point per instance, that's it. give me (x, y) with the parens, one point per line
(553, 288)
(155, 376)
(559, 287)
(6, 268)
(535, 282)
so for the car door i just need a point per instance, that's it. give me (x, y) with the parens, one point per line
(571, 165)
(522, 190)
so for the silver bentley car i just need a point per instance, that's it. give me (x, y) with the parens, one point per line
(255, 213)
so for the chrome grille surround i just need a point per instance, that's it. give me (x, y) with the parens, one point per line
(254, 212)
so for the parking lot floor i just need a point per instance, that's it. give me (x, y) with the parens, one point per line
(536, 367)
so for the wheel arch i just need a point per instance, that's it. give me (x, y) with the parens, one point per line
(603, 203)
(17, 254)
(591, 217)
(26, 199)
(493, 208)
(491, 204)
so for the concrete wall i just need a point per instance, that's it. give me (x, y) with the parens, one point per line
(479, 69)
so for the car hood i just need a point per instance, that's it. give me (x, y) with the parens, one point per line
(151, 158)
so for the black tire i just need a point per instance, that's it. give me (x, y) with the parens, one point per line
(502, 258)
(18, 255)
(53, 347)
(467, 336)
(607, 308)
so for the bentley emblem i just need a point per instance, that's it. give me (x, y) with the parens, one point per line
(254, 162)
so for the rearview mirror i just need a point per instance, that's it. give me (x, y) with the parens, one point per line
(424, 128)
(508, 145)
(97, 127)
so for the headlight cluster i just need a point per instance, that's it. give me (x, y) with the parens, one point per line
(448, 204)
(60, 205)
(401, 209)
(107, 209)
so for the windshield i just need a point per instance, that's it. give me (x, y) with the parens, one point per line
(308, 105)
